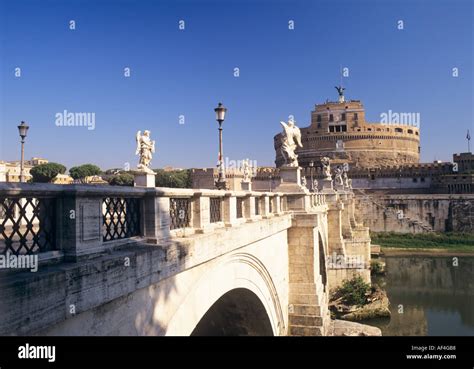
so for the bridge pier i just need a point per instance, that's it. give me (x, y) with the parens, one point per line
(308, 300)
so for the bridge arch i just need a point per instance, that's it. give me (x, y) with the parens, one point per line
(238, 272)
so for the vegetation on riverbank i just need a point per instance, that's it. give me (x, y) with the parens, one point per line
(457, 242)
(357, 300)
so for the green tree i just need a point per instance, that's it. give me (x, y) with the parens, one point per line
(84, 170)
(173, 179)
(44, 173)
(122, 179)
(354, 291)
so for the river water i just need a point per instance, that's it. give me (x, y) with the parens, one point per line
(429, 296)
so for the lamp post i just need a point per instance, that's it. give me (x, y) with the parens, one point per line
(311, 166)
(23, 130)
(220, 116)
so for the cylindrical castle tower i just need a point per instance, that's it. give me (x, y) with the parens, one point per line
(339, 131)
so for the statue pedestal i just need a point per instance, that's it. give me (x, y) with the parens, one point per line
(246, 186)
(327, 185)
(290, 180)
(339, 187)
(144, 179)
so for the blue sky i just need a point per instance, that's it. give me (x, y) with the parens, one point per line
(175, 72)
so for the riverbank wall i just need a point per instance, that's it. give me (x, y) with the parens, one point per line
(416, 213)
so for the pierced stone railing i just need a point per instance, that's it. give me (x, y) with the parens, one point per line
(75, 221)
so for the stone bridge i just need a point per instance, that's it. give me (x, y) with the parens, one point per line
(159, 261)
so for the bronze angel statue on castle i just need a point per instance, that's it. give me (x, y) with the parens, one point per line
(145, 149)
(291, 139)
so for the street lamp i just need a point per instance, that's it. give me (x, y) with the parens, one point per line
(23, 130)
(220, 116)
(311, 166)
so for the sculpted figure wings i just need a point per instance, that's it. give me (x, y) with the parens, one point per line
(291, 139)
(145, 149)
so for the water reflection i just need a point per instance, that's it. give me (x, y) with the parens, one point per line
(429, 296)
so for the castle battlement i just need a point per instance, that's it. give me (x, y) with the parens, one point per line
(339, 131)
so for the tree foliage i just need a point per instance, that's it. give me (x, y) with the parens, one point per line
(44, 173)
(173, 179)
(84, 170)
(121, 179)
(354, 291)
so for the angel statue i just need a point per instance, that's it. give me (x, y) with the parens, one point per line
(326, 167)
(345, 179)
(246, 170)
(145, 147)
(304, 183)
(340, 91)
(291, 140)
(338, 176)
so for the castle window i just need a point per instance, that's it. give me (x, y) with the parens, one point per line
(388, 129)
(343, 116)
(416, 133)
(415, 180)
(319, 125)
(399, 130)
(410, 131)
(422, 179)
(356, 117)
(369, 129)
(331, 118)
(344, 128)
(318, 118)
(331, 128)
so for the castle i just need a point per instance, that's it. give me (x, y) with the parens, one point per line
(339, 131)
(380, 156)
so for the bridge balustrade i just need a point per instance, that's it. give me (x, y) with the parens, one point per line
(73, 221)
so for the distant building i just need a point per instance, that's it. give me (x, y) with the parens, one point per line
(339, 131)
(62, 179)
(94, 180)
(10, 170)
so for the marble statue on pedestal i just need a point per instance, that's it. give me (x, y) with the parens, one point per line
(338, 176)
(326, 167)
(145, 149)
(303, 181)
(291, 139)
(345, 179)
(246, 170)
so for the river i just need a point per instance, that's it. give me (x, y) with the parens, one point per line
(429, 296)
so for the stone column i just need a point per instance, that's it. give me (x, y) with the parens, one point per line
(336, 241)
(79, 226)
(201, 218)
(156, 216)
(308, 304)
(249, 208)
(230, 210)
(144, 179)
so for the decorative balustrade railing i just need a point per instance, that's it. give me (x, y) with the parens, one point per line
(121, 218)
(27, 225)
(180, 212)
(239, 207)
(77, 220)
(215, 209)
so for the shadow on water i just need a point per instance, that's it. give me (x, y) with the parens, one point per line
(429, 296)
